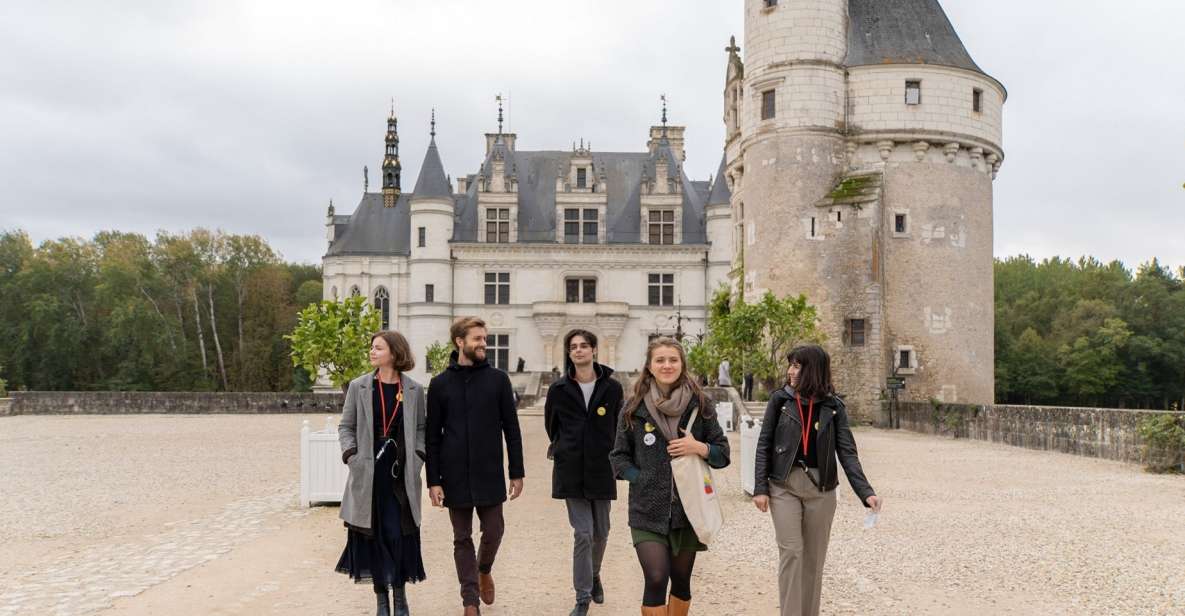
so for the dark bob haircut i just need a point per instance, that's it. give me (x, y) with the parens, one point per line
(401, 357)
(814, 377)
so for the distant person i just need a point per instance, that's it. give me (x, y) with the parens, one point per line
(580, 415)
(804, 430)
(653, 430)
(382, 440)
(470, 411)
(748, 390)
(723, 378)
(522, 365)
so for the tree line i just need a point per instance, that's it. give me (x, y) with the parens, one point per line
(1087, 333)
(196, 311)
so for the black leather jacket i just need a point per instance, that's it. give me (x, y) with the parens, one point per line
(781, 433)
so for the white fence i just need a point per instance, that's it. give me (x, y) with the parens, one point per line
(322, 474)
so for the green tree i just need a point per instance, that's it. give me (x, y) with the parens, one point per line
(1092, 363)
(334, 336)
(1034, 361)
(438, 354)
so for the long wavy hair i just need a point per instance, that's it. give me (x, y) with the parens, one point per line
(642, 383)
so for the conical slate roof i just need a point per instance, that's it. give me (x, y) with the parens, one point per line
(432, 181)
(904, 32)
(720, 194)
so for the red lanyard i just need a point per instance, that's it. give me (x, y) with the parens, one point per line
(806, 425)
(383, 404)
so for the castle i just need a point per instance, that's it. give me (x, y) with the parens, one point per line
(861, 145)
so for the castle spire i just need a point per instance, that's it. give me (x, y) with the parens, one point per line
(392, 169)
(499, 98)
(433, 131)
(664, 115)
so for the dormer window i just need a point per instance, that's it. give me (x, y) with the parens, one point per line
(581, 177)
(580, 225)
(661, 226)
(497, 225)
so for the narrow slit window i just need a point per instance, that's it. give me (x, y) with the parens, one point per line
(899, 224)
(977, 100)
(905, 359)
(429, 293)
(422, 239)
(581, 177)
(812, 226)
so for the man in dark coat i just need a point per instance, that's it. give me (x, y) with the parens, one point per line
(470, 410)
(581, 417)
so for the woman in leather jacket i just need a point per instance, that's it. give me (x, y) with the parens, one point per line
(804, 431)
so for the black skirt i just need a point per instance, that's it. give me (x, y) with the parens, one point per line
(388, 553)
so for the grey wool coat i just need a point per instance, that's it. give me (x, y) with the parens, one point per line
(356, 430)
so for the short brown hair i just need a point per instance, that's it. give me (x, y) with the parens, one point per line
(461, 327)
(400, 349)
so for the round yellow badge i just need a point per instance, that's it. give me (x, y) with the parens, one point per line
(601, 411)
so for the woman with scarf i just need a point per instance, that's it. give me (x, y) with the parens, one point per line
(653, 430)
(382, 439)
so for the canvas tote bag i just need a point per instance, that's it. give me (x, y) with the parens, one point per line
(697, 492)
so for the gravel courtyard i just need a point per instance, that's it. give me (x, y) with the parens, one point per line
(147, 515)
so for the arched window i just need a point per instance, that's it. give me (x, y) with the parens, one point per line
(333, 293)
(382, 303)
(354, 291)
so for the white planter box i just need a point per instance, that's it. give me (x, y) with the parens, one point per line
(750, 430)
(724, 416)
(322, 474)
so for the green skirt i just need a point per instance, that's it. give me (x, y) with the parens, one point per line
(678, 540)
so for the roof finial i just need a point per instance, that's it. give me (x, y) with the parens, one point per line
(365, 179)
(433, 131)
(664, 115)
(732, 45)
(392, 106)
(499, 98)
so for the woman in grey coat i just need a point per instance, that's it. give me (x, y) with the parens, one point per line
(382, 440)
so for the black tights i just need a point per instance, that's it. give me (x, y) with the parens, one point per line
(659, 566)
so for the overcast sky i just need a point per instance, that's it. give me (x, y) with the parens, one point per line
(251, 115)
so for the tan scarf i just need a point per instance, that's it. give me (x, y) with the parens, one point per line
(667, 411)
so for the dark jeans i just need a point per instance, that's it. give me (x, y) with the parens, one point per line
(468, 563)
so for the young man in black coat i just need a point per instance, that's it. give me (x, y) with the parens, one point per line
(470, 410)
(581, 417)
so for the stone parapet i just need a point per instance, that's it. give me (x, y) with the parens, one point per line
(1111, 434)
(169, 403)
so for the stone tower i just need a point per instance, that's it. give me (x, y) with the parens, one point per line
(430, 290)
(861, 144)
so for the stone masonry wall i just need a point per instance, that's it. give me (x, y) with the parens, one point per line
(1111, 434)
(182, 403)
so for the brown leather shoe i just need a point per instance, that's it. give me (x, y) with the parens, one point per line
(660, 610)
(485, 586)
(472, 610)
(677, 606)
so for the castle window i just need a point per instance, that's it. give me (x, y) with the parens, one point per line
(913, 93)
(580, 226)
(905, 360)
(498, 225)
(497, 288)
(768, 104)
(855, 332)
(977, 100)
(769, 4)
(661, 226)
(661, 290)
(422, 238)
(498, 350)
(900, 224)
(382, 304)
(839, 217)
(354, 291)
(812, 226)
(429, 293)
(581, 177)
(580, 290)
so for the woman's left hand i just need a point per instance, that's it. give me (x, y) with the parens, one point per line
(874, 502)
(687, 445)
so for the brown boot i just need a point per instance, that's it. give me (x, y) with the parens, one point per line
(485, 586)
(654, 611)
(677, 606)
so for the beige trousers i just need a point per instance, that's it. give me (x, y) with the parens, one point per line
(802, 524)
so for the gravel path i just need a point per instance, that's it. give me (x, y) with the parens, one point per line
(196, 515)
